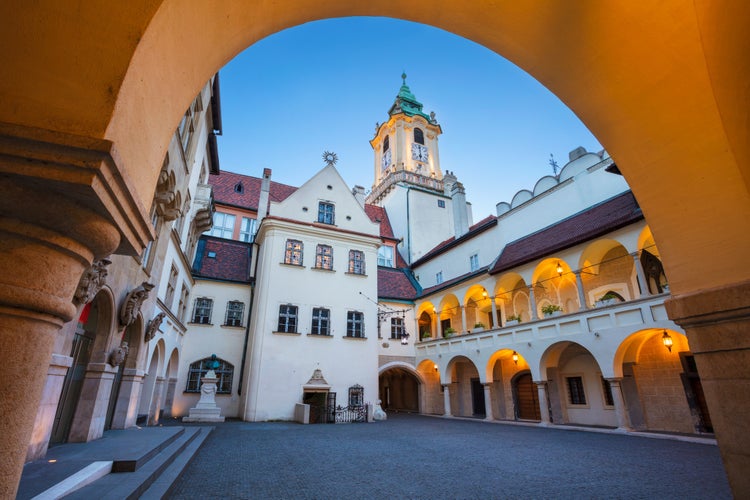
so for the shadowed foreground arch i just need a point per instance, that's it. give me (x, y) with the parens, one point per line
(670, 105)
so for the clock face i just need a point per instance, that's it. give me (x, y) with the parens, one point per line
(419, 152)
(385, 162)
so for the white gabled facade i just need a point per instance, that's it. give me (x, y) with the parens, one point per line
(282, 359)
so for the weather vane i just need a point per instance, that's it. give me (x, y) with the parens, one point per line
(330, 158)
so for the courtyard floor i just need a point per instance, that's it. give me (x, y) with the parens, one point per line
(411, 456)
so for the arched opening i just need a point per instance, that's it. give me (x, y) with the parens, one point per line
(399, 390)
(653, 112)
(466, 390)
(432, 401)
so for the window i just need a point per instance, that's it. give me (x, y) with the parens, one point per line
(293, 253)
(198, 370)
(385, 256)
(397, 328)
(287, 319)
(324, 257)
(356, 395)
(609, 400)
(239, 188)
(356, 262)
(441, 203)
(418, 136)
(202, 311)
(576, 395)
(183, 302)
(223, 225)
(234, 313)
(326, 213)
(321, 320)
(247, 229)
(386, 143)
(474, 262)
(171, 285)
(355, 324)
(439, 277)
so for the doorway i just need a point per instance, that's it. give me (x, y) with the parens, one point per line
(525, 397)
(478, 408)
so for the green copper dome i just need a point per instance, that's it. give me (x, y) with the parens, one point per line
(407, 103)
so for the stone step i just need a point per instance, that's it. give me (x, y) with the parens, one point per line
(131, 485)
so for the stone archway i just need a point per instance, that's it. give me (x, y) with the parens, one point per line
(675, 100)
(399, 389)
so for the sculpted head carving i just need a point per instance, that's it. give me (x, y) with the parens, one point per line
(132, 304)
(153, 326)
(93, 279)
(118, 354)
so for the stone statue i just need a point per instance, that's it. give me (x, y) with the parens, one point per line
(213, 363)
(132, 304)
(153, 326)
(118, 354)
(93, 279)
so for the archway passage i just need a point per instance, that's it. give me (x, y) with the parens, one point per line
(676, 115)
(399, 390)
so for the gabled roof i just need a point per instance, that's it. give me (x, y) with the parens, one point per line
(230, 263)
(591, 223)
(225, 192)
(395, 284)
(451, 242)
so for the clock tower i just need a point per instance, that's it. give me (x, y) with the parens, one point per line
(406, 146)
(424, 207)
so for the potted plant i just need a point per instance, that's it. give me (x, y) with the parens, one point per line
(478, 327)
(448, 333)
(513, 319)
(426, 335)
(551, 310)
(607, 299)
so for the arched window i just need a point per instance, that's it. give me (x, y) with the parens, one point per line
(386, 143)
(418, 136)
(198, 370)
(239, 188)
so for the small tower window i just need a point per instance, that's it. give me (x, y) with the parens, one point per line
(239, 188)
(418, 136)
(386, 143)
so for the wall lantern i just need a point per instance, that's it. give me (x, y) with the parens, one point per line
(667, 341)
(559, 269)
(404, 339)
(515, 357)
(484, 294)
(435, 366)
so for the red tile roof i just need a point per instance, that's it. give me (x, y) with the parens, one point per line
(591, 223)
(231, 263)
(226, 194)
(474, 230)
(395, 284)
(379, 215)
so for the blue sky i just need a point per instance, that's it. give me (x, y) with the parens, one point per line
(323, 85)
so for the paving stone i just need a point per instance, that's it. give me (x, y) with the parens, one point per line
(411, 456)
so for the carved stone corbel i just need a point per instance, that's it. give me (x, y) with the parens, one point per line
(93, 279)
(118, 354)
(153, 326)
(132, 304)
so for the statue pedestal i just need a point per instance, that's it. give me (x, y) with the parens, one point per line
(206, 409)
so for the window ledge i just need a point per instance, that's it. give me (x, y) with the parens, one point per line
(323, 269)
(354, 338)
(293, 334)
(287, 264)
(362, 275)
(326, 336)
(233, 326)
(200, 324)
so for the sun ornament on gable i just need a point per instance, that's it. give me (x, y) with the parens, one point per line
(330, 158)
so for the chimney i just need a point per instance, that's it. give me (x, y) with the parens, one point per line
(265, 190)
(359, 194)
(460, 215)
(448, 180)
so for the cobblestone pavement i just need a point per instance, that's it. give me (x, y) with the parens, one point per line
(412, 456)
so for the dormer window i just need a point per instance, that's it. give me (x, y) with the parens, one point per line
(386, 143)
(239, 188)
(418, 136)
